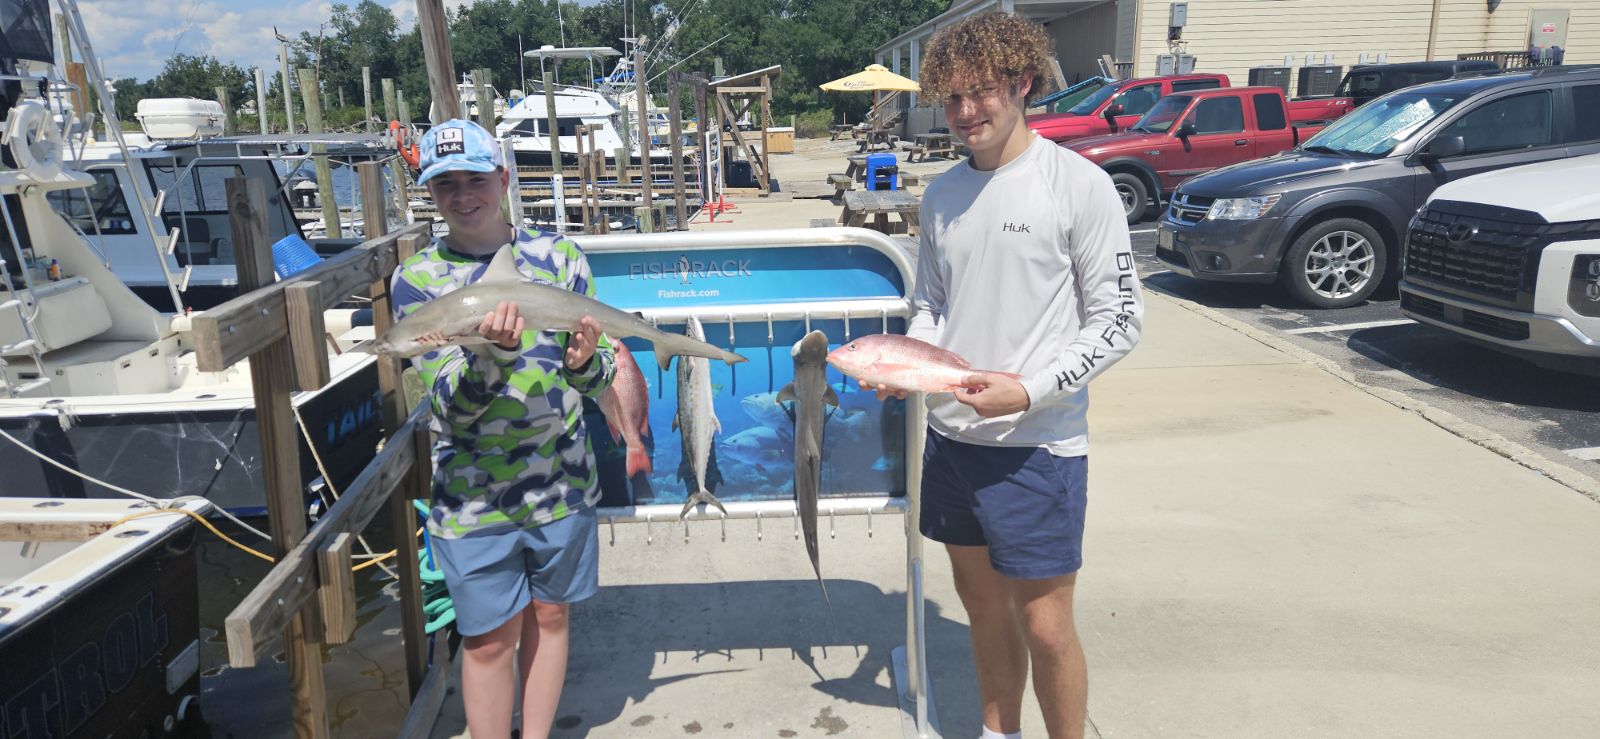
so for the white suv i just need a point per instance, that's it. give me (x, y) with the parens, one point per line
(1512, 259)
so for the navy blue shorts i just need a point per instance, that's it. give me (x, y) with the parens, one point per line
(1023, 503)
(493, 577)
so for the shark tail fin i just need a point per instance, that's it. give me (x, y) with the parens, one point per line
(664, 357)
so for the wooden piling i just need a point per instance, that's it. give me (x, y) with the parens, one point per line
(485, 102)
(366, 97)
(272, 380)
(261, 99)
(391, 111)
(227, 110)
(642, 86)
(313, 103)
(680, 207)
(436, 52)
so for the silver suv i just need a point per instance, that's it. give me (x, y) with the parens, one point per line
(1511, 259)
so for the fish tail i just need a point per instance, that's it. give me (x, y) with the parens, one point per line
(701, 497)
(638, 462)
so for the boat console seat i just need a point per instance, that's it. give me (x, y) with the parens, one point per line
(69, 311)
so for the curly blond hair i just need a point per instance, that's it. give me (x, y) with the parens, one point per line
(995, 46)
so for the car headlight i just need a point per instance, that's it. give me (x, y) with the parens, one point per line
(1242, 209)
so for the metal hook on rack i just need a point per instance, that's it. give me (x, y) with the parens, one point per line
(724, 526)
(758, 525)
(797, 523)
(869, 523)
(769, 329)
(831, 533)
(686, 531)
(611, 524)
(883, 315)
(730, 331)
(649, 535)
(847, 326)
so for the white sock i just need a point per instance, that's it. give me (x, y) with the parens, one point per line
(989, 733)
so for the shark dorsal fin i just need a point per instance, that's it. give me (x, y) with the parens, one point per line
(503, 268)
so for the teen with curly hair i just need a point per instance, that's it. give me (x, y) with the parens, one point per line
(1025, 266)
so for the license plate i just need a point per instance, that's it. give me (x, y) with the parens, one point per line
(1164, 239)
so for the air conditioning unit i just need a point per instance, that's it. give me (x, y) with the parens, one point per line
(1270, 77)
(1319, 81)
(1174, 64)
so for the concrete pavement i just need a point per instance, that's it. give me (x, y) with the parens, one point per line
(1271, 552)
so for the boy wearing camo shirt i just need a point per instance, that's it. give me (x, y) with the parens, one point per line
(515, 484)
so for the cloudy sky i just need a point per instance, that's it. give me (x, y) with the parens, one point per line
(134, 37)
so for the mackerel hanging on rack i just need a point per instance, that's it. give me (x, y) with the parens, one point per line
(696, 423)
(456, 316)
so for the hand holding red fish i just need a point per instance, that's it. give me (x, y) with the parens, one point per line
(994, 394)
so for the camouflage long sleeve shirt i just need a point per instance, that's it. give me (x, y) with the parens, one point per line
(512, 450)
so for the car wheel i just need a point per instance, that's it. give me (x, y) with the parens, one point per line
(1135, 196)
(1335, 264)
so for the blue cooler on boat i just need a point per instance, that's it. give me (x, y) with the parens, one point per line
(883, 172)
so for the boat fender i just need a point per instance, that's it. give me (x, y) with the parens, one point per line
(34, 139)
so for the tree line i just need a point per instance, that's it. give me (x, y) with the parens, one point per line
(814, 40)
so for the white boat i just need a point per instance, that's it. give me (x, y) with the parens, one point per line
(527, 122)
(100, 393)
(99, 618)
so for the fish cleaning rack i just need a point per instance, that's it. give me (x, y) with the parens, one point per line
(852, 275)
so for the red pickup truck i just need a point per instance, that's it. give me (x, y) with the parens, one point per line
(1117, 106)
(1192, 133)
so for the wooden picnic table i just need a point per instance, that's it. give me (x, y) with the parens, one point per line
(932, 144)
(876, 138)
(841, 129)
(878, 205)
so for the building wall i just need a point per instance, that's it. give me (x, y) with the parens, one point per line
(1080, 38)
(1231, 36)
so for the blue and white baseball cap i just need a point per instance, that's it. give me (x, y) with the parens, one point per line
(458, 144)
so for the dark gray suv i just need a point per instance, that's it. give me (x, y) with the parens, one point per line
(1326, 219)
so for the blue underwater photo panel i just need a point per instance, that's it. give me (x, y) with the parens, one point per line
(863, 444)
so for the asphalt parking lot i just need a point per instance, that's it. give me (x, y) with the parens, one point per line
(1550, 412)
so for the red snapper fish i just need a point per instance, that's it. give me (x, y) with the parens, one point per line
(626, 404)
(903, 363)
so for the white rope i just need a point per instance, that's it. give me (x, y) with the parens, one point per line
(160, 502)
(327, 481)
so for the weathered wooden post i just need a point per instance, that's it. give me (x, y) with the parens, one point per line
(391, 111)
(642, 86)
(395, 412)
(272, 370)
(261, 99)
(313, 102)
(680, 208)
(480, 90)
(366, 97)
(227, 110)
(288, 95)
(436, 52)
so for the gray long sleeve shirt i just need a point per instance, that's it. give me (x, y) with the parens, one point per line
(1027, 269)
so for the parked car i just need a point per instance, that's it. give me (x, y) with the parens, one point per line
(1193, 133)
(1117, 106)
(1325, 218)
(1062, 101)
(1511, 259)
(1369, 82)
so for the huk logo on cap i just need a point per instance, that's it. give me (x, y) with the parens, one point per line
(450, 142)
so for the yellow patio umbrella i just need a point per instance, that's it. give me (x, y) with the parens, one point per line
(875, 78)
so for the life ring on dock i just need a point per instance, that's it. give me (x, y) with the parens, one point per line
(34, 139)
(408, 150)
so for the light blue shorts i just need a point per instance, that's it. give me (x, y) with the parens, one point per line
(493, 577)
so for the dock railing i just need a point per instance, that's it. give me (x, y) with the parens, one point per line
(308, 597)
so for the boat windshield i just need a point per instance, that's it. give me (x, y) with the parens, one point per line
(1375, 129)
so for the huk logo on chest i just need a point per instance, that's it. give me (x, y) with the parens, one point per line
(1020, 228)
